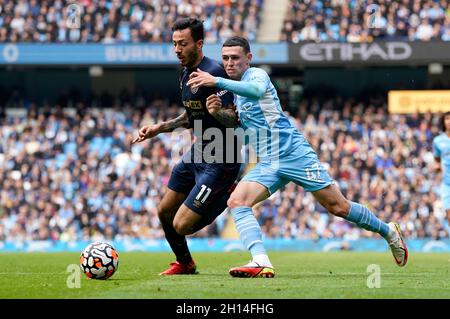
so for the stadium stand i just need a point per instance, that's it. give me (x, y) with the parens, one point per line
(346, 21)
(124, 21)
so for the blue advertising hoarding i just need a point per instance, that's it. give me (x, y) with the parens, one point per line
(121, 54)
(220, 245)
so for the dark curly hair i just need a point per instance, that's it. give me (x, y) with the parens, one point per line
(195, 25)
(443, 120)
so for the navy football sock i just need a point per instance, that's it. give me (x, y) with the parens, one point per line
(178, 244)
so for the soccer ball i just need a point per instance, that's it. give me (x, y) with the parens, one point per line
(99, 260)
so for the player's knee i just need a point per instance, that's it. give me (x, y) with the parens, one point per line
(164, 214)
(161, 211)
(234, 202)
(182, 228)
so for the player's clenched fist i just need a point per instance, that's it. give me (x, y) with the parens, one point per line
(146, 132)
(213, 104)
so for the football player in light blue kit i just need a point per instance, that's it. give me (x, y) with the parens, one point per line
(285, 156)
(441, 152)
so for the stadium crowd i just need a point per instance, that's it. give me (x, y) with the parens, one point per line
(135, 21)
(351, 21)
(121, 21)
(70, 173)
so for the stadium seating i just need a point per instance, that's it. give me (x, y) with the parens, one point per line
(106, 21)
(347, 21)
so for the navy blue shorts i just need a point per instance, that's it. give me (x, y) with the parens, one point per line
(208, 186)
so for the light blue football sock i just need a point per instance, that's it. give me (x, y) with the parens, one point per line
(249, 230)
(364, 218)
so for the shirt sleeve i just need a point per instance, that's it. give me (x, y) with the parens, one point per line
(254, 87)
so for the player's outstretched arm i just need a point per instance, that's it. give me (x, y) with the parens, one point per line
(253, 89)
(226, 116)
(150, 131)
(171, 125)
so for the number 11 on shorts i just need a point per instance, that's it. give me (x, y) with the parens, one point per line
(202, 190)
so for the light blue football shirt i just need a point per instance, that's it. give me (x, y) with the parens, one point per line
(267, 128)
(441, 149)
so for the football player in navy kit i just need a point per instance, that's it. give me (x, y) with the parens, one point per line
(199, 187)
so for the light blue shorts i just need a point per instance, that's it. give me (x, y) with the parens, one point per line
(302, 169)
(445, 195)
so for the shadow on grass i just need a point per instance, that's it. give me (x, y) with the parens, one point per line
(115, 279)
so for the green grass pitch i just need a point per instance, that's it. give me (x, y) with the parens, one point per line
(298, 275)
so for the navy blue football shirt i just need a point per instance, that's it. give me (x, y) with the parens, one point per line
(194, 102)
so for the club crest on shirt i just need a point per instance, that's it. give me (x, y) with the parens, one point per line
(194, 90)
(246, 106)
